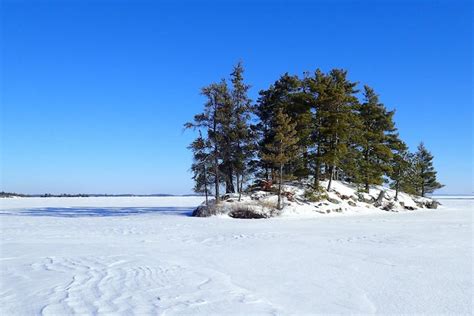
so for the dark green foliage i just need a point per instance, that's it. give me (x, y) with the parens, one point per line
(376, 139)
(315, 194)
(282, 148)
(242, 135)
(424, 173)
(285, 94)
(213, 122)
(401, 170)
(334, 118)
(201, 165)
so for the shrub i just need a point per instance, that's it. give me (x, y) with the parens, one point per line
(315, 195)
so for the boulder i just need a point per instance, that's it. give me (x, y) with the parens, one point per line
(334, 201)
(379, 200)
(246, 213)
(432, 204)
(205, 211)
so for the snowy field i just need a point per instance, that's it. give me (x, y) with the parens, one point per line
(147, 256)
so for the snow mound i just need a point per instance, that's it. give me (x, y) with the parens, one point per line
(301, 200)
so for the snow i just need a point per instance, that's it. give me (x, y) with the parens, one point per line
(146, 255)
(342, 199)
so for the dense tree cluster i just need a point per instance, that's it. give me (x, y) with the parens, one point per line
(319, 126)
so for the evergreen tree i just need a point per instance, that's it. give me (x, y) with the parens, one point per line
(213, 121)
(425, 174)
(282, 147)
(278, 96)
(201, 165)
(242, 136)
(335, 117)
(400, 174)
(288, 94)
(377, 135)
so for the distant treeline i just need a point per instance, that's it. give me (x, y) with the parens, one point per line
(11, 194)
(318, 126)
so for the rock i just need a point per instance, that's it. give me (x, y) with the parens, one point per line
(334, 201)
(379, 200)
(205, 211)
(419, 204)
(432, 204)
(390, 206)
(351, 203)
(365, 198)
(410, 208)
(246, 213)
(289, 195)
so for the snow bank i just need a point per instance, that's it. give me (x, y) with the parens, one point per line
(300, 200)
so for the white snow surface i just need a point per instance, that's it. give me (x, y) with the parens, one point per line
(148, 256)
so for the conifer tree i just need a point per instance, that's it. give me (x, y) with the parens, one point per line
(243, 137)
(286, 93)
(377, 135)
(335, 116)
(425, 174)
(400, 171)
(212, 120)
(278, 96)
(282, 147)
(201, 165)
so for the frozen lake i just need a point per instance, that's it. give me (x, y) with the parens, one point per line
(147, 256)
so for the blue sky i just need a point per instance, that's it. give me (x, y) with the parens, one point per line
(94, 94)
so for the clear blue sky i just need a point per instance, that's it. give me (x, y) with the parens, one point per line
(94, 94)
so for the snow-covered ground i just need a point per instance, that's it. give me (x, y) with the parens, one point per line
(143, 256)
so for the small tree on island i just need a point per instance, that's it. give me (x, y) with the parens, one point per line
(400, 169)
(201, 165)
(282, 147)
(425, 174)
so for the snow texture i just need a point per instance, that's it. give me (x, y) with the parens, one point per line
(148, 256)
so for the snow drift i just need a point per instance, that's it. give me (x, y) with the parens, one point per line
(301, 199)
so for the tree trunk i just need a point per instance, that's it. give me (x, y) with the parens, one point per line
(205, 185)
(241, 187)
(317, 170)
(366, 175)
(229, 183)
(216, 177)
(280, 206)
(397, 188)
(331, 171)
(316, 175)
(237, 182)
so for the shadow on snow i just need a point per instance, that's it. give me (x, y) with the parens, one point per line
(99, 211)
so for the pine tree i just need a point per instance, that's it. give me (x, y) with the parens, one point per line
(425, 172)
(377, 134)
(335, 117)
(212, 120)
(282, 147)
(242, 136)
(278, 96)
(201, 165)
(401, 169)
(287, 93)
